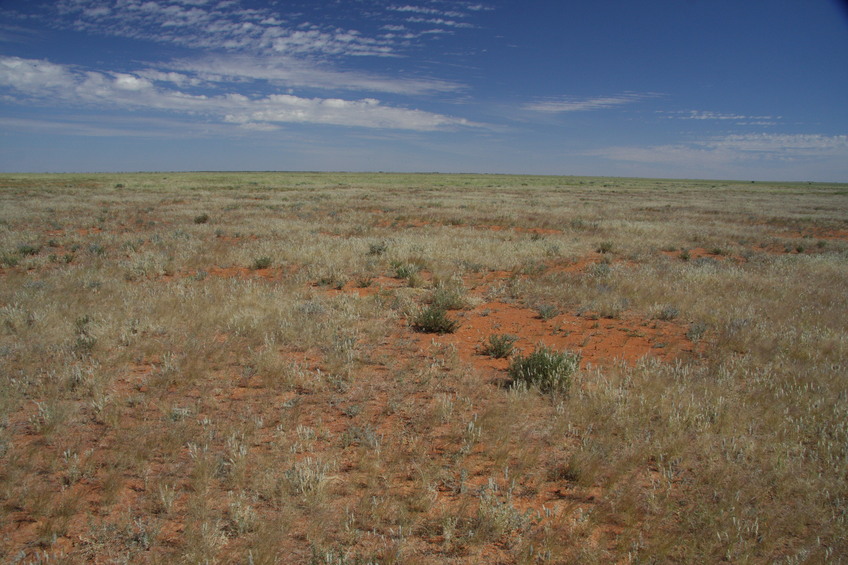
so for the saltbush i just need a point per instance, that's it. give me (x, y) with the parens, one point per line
(545, 368)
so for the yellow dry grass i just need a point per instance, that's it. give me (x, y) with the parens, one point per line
(167, 397)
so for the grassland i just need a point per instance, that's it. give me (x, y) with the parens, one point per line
(315, 368)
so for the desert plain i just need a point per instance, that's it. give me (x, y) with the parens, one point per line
(326, 368)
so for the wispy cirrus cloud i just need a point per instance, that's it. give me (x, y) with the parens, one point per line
(261, 44)
(426, 11)
(33, 80)
(572, 104)
(295, 73)
(230, 26)
(706, 116)
(734, 149)
(220, 25)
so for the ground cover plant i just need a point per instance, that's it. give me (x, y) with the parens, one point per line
(236, 368)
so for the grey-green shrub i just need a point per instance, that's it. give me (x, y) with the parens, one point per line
(545, 368)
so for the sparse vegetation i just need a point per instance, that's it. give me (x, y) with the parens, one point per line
(168, 397)
(261, 263)
(434, 319)
(448, 297)
(544, 368)
(500, 346)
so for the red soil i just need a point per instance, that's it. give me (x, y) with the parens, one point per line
(600, 341)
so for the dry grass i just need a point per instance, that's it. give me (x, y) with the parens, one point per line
(225, 368)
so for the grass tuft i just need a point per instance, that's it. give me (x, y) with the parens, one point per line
(434, 319)
(546, 369)
(500, 346)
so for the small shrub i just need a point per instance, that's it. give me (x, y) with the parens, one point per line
(696, 331)
(448, 297)
(378, 248)
(546, 311)
(96, 249)
(434, 319)
(545, 368)
(404, 270)
(24, 250)
(201, 219)
(605, 247)
(261, 263)
(599, 270)
(668, 313)
(500, 346)
(684, 255)
(333, 280)
(8, 260)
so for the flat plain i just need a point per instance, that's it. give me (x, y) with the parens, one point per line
(326, 368)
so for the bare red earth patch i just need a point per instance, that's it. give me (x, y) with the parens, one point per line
(600, 341)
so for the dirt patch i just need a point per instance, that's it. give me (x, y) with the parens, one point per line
(600, 341)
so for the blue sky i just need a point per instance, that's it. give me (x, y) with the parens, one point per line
(733, 89)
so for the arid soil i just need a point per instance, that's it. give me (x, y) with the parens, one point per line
(171, 396)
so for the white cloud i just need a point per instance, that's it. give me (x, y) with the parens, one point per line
(32, 74)
(43, 79)
(741, 119)
(568, 104)
(427, 11)
(124, 81)
(734, 150)
(439, 21)
(293, 73)
(781, 145)
(283, 108)
(224, 25)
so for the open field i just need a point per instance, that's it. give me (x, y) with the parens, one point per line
(247, 368)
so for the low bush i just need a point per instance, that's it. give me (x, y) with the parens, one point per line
(448, 297)
(261, 263)
(500, 346)
(545, 368)
(434, 319)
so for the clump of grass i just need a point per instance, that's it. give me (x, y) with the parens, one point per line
(261, 263)
(547, 311)
(24, 250)
(404, 270)
(96, 249)
(667, 313)
(364, 281)
(696, 331)
(545, 368)
(378, 248)
(605, 247)
(8, 260)
(434, 319)
(448, 297)
(201, 219)
(500, 346)
(85, 341)
(685, 255)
